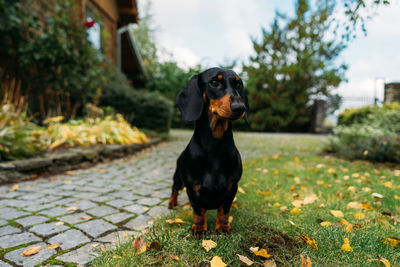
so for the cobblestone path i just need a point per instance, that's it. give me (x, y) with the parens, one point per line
(87, 210)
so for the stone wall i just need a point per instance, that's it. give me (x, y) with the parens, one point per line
(392, 92)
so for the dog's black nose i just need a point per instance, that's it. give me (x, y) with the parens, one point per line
(237, 108)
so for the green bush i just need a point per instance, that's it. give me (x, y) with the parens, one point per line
(358, 115)
(19, 137)
(375, 136)
(148, 110)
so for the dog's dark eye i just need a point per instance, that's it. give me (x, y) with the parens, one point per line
(215, 84)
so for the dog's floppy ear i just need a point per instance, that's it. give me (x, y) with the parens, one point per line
(246, 103)
(190, 101)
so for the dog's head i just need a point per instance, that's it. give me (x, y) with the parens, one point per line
(219, 90)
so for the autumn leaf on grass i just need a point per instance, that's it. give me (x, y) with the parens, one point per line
(348, 226)
(217, 262)
(391, 241)
(173, 257)
(174, 221)
(139, 244)
(384, 261)
(30, 251)
(295, 211)
(325, 224)
(241, 190)
(309, 241)
(262, 253)
(208, 244)
(337, 213)
(305, 262)
(245, 260)
(346, 245)
(354, 205)
(366, 206)
(359, 215)
(269, 263)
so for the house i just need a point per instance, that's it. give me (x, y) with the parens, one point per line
(392, 92)
(110, 25)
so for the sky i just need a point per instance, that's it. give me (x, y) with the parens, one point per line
(213, 32)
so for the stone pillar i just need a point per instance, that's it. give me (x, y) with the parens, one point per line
(392, 92)
(319, 115)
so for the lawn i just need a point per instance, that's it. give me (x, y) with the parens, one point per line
(288, 190)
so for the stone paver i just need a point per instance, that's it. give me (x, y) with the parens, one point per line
(31, 220)
(3, 222)
(74, 218)
(95, 228)
(7, 230)
(101, 211)
(80, 256)
(149, 201)
(4, 264)
(14, 240)
(69, 239)
(42, 255)
(139, 223)
(9, 214)
(118, 237)
(137, 209)
(118, 217)
(47, 229)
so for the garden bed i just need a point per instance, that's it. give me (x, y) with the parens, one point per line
(65, 160)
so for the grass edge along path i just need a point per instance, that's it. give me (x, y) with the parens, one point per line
(336, 212)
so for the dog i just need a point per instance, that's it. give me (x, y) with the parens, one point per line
(210, 167)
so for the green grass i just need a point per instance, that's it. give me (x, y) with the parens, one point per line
(291, 170)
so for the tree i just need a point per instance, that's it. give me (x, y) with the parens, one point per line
(294, 62)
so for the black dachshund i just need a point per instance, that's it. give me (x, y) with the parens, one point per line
(210, 167)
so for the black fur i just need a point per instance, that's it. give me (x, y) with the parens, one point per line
(211, 165)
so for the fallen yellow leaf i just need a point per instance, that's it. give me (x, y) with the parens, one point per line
(348, 226)
(354, 205)
(86, 217)
(359, 215)
(68, 182)
(217, 262)
(241, 190)
(245, 260)
(305, 262)
(59, 223)
(391, 241)
(262, 253)
(186, 207)
(174, 221)
(230, 219)
(30, 251)
(208, 244)
(326, 224)
(297, 203)
(346, 245)
(53, 246)
(388, 184)
(384, 261)
(72, 208)
(377, 195)
(337, 213)
(366, 206)
(295, 211)
(173, 257)
(310, 241)
(14, 187)
(269, 263)
(276, 172)
(234, 205)
(140, 245)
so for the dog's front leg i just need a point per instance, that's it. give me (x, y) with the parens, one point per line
(222, 223)
(199, 227)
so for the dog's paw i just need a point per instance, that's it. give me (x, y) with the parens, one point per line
(223, 228)
(172, 204)
(198, 231)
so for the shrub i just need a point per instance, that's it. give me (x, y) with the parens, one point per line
(144, 109)
(374, 134)
(358, 115)
(19, 137)
(90, 131)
